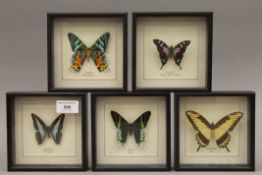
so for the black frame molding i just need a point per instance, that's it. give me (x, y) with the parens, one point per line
(209, 21)
(251, 133)
(10, 105)
(96, 167)
(50, 56)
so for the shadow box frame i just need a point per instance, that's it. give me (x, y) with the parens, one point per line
(114, 79)
(148, 80)
(11, 138)
(244, 100)
(96, 166)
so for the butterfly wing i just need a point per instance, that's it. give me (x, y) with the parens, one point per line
(98, 52)
(122, 125)
(202, 126)
(163, 51)
(139, 124)
(178, 52)
(41, 129)
(56, 127)
(224, 126)
(79, 49)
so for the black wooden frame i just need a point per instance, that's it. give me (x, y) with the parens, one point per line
(10, 106)
(50, 57)
(116, 167)
(209, 21)
(251, 133)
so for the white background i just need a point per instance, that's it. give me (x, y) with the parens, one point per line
(237, 52)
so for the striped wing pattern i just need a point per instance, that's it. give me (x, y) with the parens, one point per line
(125, 128)
(81, 52)
(79, 49)
(42, 130)
(166, 52)
(98, 52)
(220, 130)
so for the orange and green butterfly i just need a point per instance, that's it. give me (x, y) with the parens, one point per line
(82, 52)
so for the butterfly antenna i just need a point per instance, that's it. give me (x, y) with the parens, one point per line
(198, 148)
(161, 66)
(227, 149)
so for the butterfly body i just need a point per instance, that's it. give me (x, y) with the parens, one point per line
(219, 131)
(82, 52)
(176, 52)
(125, 128)
(54, 130)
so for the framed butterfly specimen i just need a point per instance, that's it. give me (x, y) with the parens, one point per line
(87, 50)
(125, 128)
(214, 131)
(130, 131)
(43, 134)
(53, 130)
(185, 38)
(220, 130)
(176, 52)
(82, 52)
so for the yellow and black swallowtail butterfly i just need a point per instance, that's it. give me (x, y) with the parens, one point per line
(219, 131)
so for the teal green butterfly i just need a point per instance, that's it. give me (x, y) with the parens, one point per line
(125, 128)
(82, 52)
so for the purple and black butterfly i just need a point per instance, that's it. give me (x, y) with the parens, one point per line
(176, 52)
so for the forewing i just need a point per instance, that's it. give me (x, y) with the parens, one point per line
(225, 125)
(41, 129)
(56, 127)
(139, 124)
(202, 126)
(101, 43)
(76, 43)
(122, 125)
(163, 51)
(179, 50)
